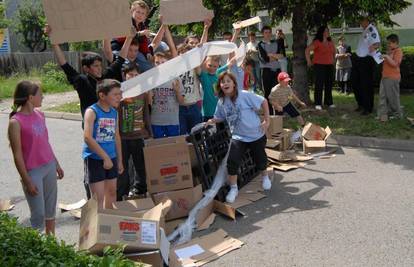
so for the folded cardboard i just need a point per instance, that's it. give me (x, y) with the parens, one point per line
(284, 138)
(111, 227)
(272, 143)
(182, 201)
(134, 205)
(167, 164)
(313, 131)
(204, 249)
(284, 156)
(313, 146)
(275, 125)
(74, 206)
(287, 166)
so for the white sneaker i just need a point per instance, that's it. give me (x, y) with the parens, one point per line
(266, 183)
(332, 106)
(318, 107)
(232, 194)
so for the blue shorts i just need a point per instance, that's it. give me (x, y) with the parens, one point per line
(95, 172)
(160, 131)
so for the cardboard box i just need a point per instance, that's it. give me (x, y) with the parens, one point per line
(135, 205)
(276, 125)
(167, 164)
(204, 249)
(100, 228)
(313, 132)
(182, 201)
(312, 146)
(284, 138)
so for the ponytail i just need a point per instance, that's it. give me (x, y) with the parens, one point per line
(23, 91)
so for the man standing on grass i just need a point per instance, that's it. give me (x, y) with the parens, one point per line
(363, 69)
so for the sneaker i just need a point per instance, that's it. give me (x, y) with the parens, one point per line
(232, 194)
(332, 106)
(318, 107)
(266, 183)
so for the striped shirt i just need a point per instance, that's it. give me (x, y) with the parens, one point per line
(281, 95)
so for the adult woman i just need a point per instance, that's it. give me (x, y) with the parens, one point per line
(323, 59)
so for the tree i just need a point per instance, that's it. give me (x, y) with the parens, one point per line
(4, 23)
(305, 16)
(29, 23)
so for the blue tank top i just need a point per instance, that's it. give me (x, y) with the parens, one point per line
(104, 130)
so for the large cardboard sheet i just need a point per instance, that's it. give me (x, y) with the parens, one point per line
(80, 20)
(183, 11)
(173, 68)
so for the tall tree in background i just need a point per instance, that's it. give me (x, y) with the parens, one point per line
(4, 23)
(29, 22)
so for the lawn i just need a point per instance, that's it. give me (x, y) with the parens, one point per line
(50, 83)
(71, 107)
(343, 120)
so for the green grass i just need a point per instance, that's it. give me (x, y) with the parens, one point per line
(344, 121)
(71, 107)
(50, 85)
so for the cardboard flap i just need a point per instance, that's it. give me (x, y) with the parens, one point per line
(202, 250)
(328, 132)
(314, 143)
(159, 211)
(165, 141)
(134, 205)
(5, 205)
(74, 206)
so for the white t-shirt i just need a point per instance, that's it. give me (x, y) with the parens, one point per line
(252, 50)
(368, 37)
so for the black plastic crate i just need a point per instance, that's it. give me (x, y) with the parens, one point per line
(211, 148)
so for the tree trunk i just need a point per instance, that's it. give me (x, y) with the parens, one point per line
(300, 74)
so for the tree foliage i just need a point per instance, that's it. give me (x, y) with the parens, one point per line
(29, 22)
(4, 23)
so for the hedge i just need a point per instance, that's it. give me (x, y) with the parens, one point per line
(407, 69)
(20, 246)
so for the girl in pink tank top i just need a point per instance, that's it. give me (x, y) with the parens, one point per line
(33, 155)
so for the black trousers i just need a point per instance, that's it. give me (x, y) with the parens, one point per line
(237, 150)
(135, 150)
(269, 80)
(363, 82)
(324, 75)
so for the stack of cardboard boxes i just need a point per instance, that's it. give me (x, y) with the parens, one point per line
(278, 138)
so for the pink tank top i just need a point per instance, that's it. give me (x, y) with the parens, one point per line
(35, 139)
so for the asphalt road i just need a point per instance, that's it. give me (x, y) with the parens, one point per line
(352, 210)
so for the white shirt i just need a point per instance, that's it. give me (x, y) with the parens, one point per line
(368, 37)
(252, 50)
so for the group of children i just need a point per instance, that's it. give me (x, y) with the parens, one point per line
(115, 128)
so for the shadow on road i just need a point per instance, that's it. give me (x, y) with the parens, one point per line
(401, 158)
(283, 198)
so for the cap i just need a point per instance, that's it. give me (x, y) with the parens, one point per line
(283, 76)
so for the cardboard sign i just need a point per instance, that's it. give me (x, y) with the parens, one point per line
(247, 22)
(79, 20)
(173, 68)
(176, 12)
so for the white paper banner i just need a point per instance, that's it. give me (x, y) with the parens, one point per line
(173, 68)
(241, 53)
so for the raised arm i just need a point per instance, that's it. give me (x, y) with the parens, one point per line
(125, 47)
(207, 25)
(157, 39)
(170, 42)
(107, 50)
(56, 48)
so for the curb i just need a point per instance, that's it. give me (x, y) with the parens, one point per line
(372, 142)
(63, 115)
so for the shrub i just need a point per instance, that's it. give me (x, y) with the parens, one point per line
(53, 78)
(21, 246)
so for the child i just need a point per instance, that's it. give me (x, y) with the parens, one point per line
(343, 65)
(208, 78)
(165, 105)
(281, 96)
(102, 149)
(190, 111)
(134, 127)
(239, 109)
(33, 155)
(249, 82)
(389, 102)
(139, 13)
